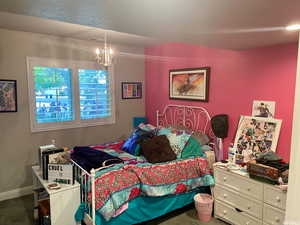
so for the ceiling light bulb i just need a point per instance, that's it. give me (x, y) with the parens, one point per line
(293, 27)
(97, 51)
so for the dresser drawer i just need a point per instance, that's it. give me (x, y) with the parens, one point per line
(272, 215)
(239, 183)
(274, 196)
(251, 206)
(233, 216)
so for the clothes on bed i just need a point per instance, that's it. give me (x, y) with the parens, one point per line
(132, 144)
(89, 158)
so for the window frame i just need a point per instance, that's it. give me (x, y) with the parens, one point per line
(74, 66)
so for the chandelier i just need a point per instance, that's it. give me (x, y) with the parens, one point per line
(104, 56)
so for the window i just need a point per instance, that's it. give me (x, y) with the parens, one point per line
(94, 96)
(69, 94)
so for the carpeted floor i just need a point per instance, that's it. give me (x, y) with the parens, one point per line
(19, 211)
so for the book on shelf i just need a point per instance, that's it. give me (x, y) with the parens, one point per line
(45, 160)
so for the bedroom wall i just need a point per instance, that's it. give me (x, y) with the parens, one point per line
(18, 145)
(237, 78)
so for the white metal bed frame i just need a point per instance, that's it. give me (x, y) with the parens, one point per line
(192, 117)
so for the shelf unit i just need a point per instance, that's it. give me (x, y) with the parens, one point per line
(63, 202)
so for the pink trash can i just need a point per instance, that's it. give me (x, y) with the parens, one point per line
(204, 205)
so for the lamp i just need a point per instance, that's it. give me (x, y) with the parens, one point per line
(104, 56)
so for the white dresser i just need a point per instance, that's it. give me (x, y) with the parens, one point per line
(241, 200)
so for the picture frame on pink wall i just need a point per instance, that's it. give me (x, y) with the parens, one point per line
(189, 84)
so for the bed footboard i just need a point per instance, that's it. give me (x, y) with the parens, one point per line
(87, 185)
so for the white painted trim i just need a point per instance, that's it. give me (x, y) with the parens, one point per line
(292, 215)
(16, 193)
(74, 66)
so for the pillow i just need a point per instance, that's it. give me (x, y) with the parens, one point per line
(177, 138)
(192, 149)
(147, 127)
(201, 137)
(206, 148)
(164, 131)
(178, 141)
(158, 150)
(131, 143)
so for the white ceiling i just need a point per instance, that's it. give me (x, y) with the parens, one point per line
(230, 24)
(45, 26)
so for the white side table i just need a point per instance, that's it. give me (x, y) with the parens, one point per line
(63, 202)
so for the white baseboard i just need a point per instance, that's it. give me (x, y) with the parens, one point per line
(16, 193)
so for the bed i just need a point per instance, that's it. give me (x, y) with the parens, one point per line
(136, 191)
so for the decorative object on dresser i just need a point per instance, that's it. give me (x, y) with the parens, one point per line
(131, 90)
(256, 135)
(241, 200)
(189, 84)
(8, 96)
(219, 125)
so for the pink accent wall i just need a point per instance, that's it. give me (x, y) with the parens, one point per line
(237, 78)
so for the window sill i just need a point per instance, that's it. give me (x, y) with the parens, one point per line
(70, 126)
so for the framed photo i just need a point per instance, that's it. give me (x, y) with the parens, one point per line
(131, 90)
(263, 108)
(189, 84)
(256, 135)
(8, 96)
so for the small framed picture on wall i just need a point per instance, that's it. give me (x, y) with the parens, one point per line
(8, 96)
(131, 90)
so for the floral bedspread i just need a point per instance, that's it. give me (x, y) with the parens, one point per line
(117, 185)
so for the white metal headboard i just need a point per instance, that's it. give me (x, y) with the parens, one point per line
(192, 117)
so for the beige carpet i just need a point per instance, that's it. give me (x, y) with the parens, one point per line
(19, 211)
(186, 216)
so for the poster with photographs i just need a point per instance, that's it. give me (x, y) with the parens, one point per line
(263, 109)
(256, 135)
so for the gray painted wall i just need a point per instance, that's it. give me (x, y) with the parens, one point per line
(18, 146)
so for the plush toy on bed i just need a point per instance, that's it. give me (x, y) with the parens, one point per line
(158, 150)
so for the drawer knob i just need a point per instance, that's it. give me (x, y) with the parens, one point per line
(248, 207)
(225, 195)
(248, 189)
(224, 178)
(224, 212)
(277, 219)
(278, 199)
